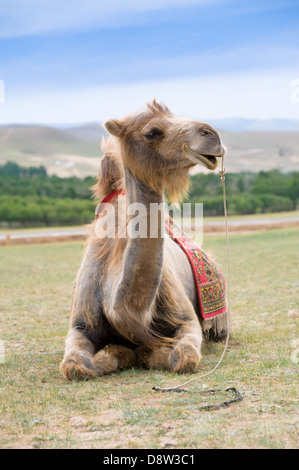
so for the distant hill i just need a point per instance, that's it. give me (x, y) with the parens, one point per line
(242, 124)
(61, 151)
(90, 132)
(255, 151)
(75, 150)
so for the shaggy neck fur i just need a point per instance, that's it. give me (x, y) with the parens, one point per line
(142, 267)
(143, 257)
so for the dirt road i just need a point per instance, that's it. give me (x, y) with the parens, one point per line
(68, 234)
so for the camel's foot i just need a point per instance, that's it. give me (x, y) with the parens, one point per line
(153, 359)
(77, 365)
(113, 357)
(81, 365)
(183, 358)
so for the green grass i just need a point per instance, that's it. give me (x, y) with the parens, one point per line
(40, 409)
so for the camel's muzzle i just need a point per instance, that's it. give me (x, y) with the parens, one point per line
(209, 161)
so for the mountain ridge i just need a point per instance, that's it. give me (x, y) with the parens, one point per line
(75, 150)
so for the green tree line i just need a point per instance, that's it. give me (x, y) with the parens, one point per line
(30, 197)
(247, 193)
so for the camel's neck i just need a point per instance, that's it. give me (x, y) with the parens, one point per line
(144, 253)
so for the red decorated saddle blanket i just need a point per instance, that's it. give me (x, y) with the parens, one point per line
(208, 277)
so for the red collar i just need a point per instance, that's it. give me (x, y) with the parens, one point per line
(107, 199)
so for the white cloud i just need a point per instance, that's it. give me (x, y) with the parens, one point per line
(26, 17)
(262, 96)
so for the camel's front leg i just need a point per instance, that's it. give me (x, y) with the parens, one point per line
(183, 357)
(78, 357)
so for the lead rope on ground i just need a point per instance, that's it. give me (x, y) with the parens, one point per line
(178, 388)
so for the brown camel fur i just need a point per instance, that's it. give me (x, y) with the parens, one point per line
(135, 300)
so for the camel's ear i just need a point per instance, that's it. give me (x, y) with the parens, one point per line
(114, 127)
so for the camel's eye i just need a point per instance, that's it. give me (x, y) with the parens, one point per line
(154, 134)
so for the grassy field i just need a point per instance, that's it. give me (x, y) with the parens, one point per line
(40, 409)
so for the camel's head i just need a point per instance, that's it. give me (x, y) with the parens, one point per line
(159, 147)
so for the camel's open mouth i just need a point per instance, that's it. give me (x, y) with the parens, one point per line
(209, 161)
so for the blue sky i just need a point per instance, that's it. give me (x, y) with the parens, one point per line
(67, 61)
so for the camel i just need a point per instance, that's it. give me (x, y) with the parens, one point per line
(134, 301)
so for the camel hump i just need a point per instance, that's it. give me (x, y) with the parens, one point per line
(110, 177)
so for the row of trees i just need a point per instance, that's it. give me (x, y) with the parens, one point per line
(247, 193)
(34, 182)
(43, 211)
(30, 197)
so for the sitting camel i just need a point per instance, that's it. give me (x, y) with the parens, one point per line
(135, 299)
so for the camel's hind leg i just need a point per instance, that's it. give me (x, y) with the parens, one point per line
(80, 361)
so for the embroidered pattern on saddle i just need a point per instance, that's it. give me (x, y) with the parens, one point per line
(208, 277)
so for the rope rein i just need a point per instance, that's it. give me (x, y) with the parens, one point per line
(178, 388)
